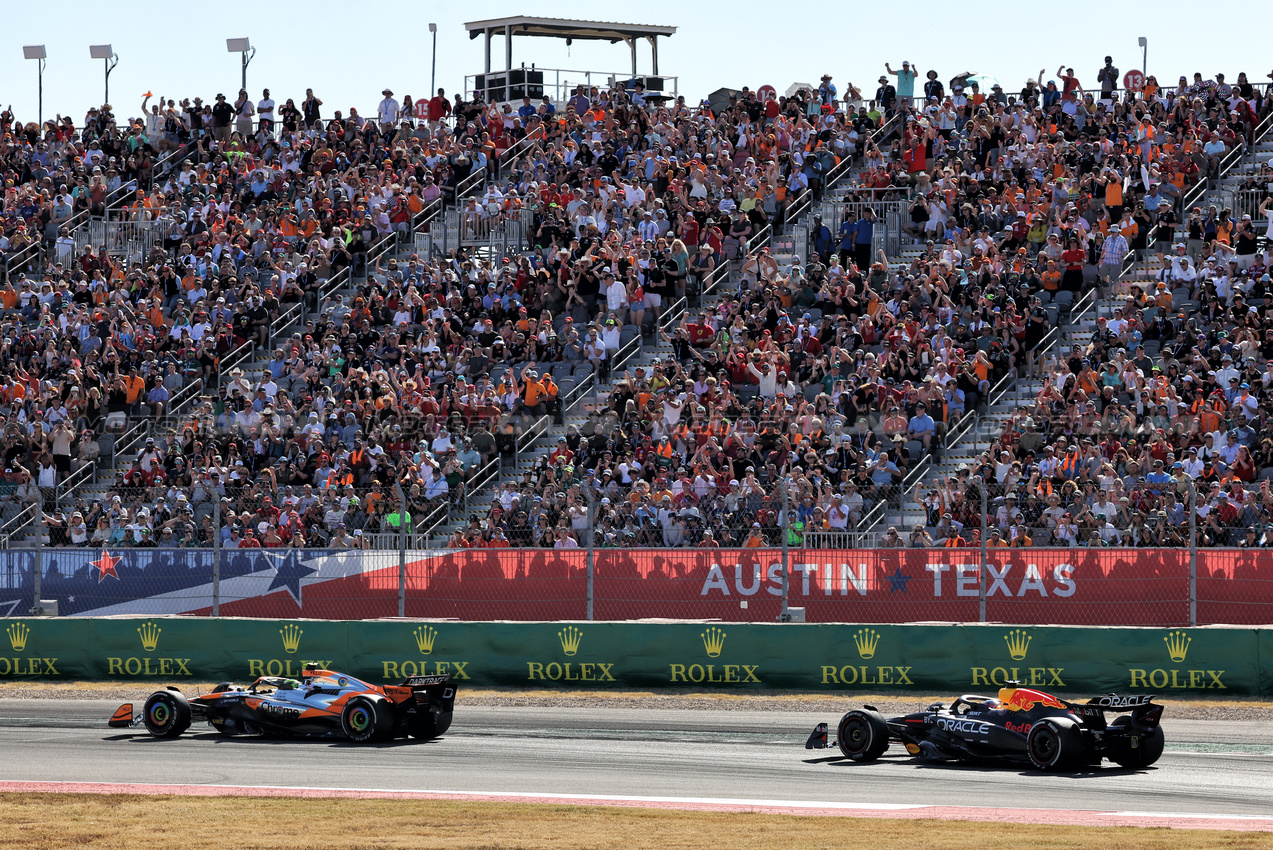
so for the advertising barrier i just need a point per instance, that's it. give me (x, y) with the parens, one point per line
(1094, 587)
(809, 657)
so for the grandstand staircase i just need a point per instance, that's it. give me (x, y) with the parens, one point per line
(979, 433)
(1226, 192)
(94, 482)
(785, 246)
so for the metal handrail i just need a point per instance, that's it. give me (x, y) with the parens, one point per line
(487, 476)
(476, 179)
(429, 213)
(296, 312)
(141, 426)
(233, 358)
(17, 525)
(1000, 389)
(578, 393)
(184, 396)
(87, 472)
(533, 433)
(429, 524)
(714, 278)
(130, 439)
(913, 477)
(510, 154)
(484, 475)
(800, 205)
(172, 159)
(966, 424)
(19, 262)
(124, 444)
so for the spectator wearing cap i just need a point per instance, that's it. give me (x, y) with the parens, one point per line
(886, 96)
(222, 119)
(906, 76)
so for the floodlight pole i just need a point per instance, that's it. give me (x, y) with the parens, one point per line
(109, 63)
(433, 72)
(248, 56)
(37, 52)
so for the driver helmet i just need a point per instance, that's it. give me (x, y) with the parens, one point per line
(992, 704)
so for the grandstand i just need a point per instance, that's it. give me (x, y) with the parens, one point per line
(611, 319)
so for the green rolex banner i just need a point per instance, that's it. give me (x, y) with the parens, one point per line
(810, 657)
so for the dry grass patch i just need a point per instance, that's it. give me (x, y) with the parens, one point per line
(40, 821)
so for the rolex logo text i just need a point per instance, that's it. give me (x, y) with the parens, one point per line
(19, 633)
(426, 639)
(147, 665)
(711, 673)
(571, 640)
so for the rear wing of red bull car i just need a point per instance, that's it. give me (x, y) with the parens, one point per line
(1142, 707)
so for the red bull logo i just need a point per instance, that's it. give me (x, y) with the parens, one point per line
(1024, 699)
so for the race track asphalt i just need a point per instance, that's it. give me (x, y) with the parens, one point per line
(1212, 768)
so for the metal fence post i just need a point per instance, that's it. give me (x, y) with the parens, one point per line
(402, 549)
(1193, 555)
(786, 531)
(216, 556)
(981, 570)
(591, 498)
(37, 569)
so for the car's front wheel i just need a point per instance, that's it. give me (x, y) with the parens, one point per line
(366, 719)
(1056, 743)
(863, 735)
(166, 714)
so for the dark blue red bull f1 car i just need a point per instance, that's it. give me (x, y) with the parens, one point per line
(321, 704)
(1020, 725)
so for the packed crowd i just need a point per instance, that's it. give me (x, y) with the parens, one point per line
(797, 401)
(259, 215)
(833, 379)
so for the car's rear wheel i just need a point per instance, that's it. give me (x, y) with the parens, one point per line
(166, 714)
(863, 735)
(1056, 743)
(1135, 748)
(429, 723)
(366, 719)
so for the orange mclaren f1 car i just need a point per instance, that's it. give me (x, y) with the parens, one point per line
(321, 704)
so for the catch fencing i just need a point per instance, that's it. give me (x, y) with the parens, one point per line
(1105, 586)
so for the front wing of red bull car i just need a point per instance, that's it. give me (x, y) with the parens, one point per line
(1020, 725)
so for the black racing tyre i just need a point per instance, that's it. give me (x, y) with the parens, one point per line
(1056, 743)
(366, 719)
(862, 735)
(230, 727)
(166, 714)
(1136, 750)
(429, 723)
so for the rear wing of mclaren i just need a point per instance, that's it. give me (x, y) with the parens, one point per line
(435, 691)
